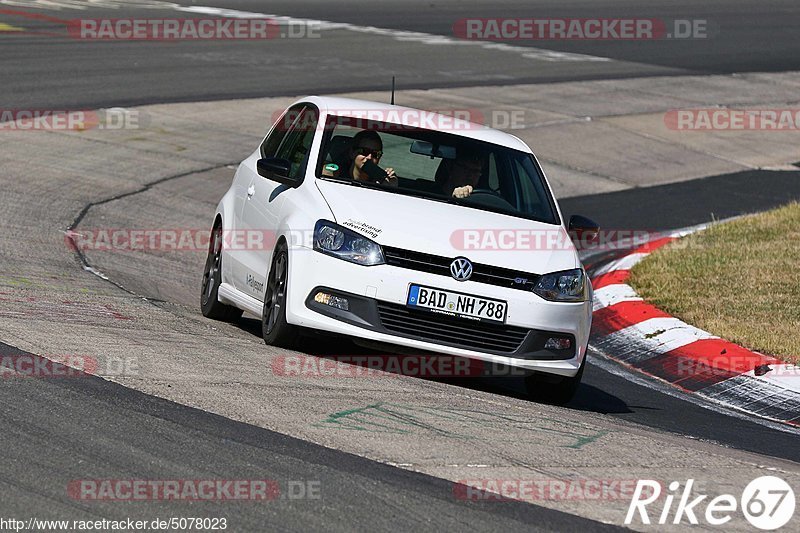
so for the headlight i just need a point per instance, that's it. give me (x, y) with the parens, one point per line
(333, 239)
(565, 286)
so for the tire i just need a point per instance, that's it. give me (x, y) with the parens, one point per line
(274, 328)
(556, 390)
(210, 305)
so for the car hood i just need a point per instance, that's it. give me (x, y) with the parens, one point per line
(450, 230)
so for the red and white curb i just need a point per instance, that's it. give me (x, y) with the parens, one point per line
(635, 333)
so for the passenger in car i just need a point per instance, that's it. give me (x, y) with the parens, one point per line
(366, 146)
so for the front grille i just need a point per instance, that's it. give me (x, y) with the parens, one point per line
(435, 264)
(442, 329)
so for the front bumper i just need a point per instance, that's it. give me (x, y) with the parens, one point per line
(378, 292)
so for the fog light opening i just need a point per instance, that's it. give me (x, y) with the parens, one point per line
(558, 343)
(333, 301)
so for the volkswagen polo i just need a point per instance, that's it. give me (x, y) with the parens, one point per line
(405, 228)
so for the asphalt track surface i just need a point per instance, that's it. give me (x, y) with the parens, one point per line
(58, 430)
(147, 437)
(676, 206)
(51, 72)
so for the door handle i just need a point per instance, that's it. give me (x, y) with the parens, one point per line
(251, 190)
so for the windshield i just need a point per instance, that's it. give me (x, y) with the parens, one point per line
(436, 166)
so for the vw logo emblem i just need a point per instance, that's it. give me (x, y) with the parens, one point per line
(461, 269)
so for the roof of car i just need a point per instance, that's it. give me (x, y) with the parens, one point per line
(408, 116)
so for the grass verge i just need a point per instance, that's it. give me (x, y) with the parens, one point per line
(739, 280)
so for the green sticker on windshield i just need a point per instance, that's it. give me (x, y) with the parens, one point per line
(331, 167)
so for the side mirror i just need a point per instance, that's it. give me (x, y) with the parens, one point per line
(276, 169)
(582, 230)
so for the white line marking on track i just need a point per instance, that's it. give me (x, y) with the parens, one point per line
(623, 263)
(402, 35)
(660, 335)
(602, 361)
(614, 294)
(783, 375)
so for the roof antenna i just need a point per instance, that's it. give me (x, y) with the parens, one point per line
(392, 102)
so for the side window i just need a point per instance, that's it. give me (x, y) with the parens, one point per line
(297, 143)
(503, 173)
(533, 194)
(527, 195)
(270, 145)
(493, 180)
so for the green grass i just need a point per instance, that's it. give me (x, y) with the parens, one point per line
(739, 280)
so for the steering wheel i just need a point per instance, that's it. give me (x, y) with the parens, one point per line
(488, 198)
(484, 191)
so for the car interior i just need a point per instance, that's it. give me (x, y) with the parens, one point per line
(422, 160)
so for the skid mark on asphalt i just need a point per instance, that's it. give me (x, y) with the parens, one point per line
(401, 419)
(66, 311)
(50, 284)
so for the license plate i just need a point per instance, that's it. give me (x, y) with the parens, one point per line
(456, 304)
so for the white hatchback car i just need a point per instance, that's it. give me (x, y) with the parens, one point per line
(403, 227)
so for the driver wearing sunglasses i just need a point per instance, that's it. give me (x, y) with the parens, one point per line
(367, 147)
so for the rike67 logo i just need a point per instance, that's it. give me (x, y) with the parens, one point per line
(767, 503)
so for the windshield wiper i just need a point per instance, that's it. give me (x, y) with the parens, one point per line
(355, 183)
